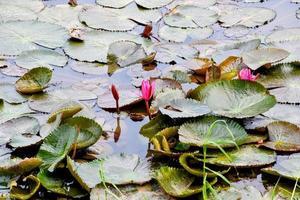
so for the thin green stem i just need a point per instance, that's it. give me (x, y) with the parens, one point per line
(294, 190)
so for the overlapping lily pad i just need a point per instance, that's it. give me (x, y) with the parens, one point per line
(19, 192)
(246, 156)
(212, 132)
(56, 146)
(283, 136)
(122, 3)
(11, 111)
(34, 5)
(239, 98)
(19, 36)
(190, 16)
(40, 58)
(284, 35)
(8, 93)
(247, 16)
(34, 81)
(284, 112)
(16, 13)
(18, 166)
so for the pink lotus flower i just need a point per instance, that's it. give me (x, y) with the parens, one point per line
(147, 89)
(147, 93)
(246, 74)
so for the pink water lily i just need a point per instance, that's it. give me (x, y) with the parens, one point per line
(246, 74)
(147, 93)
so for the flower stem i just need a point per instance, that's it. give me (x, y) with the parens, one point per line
(118, 107)
(148, 109)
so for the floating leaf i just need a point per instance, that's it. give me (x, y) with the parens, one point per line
(287, 167)
(128, 96)
(167, 52)
(184, 108)
(66, 110)
(143, 3)
(13, 70)
(236, 31)
(153, 4)
(24, 140)
(181, 35)
(190, 16)
(283, 136)
(284, 35)
(247, 16)
(34, 5)
(9, 94)
(34, 81)
(112, 19)
(87, 174)
(284, 112)
(89, 131)
(239, 98)
(56, 182)
(125, 53)
(18, 166)
(16, 13)
(65, 15)
(225, 132)
(121, 169)
(40, 58)
(164, 98)
(260, 57)
(201, 3)
(10, 111)
(247, 156)
(19, 36)
(31, 184)
(113, 4)
(56, 146)
(177, 182)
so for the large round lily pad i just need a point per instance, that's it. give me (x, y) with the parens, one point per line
(18, 166)
(235, 98)
(177, 182)
(121, 169)
(40, 58)
(260, 57)
(9, 94)
(11, 111)
(89, 131)
(284, 35)
(56, 146)
(283, 136)
(34, 5)
(284, 112)
(190, 16)
(246, 156)
(19, 36)
(34, 81)
(197, 133)
(16, 13)
(247, 16)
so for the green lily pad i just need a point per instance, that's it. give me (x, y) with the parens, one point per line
(89, 131)
(20, 192)
(16, 13)
(65, 15)
(287, 167)
(197, 133)
(247, 16)
(11, 111)
(145, 4)
(34, 81)
(87, 174)
(125, 53)
(157, 124)
(122, 169)
(66, 110)
(191, 158)
(164, 98)
(178, 182)
(284, 112)
(41, 58)
(283, 137)
(246, 156)
(112, 19)
(128, 96)
(56, 146)
(18, 166)
(184, 108)
(24, 140)
(260, 57)
(190, 16)
(56, 182)
(19, 36)
(47, 128)
(168, 52)
(181, 35)
(34, 5)
(9, 94)
(284, 35)
(235, 98)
